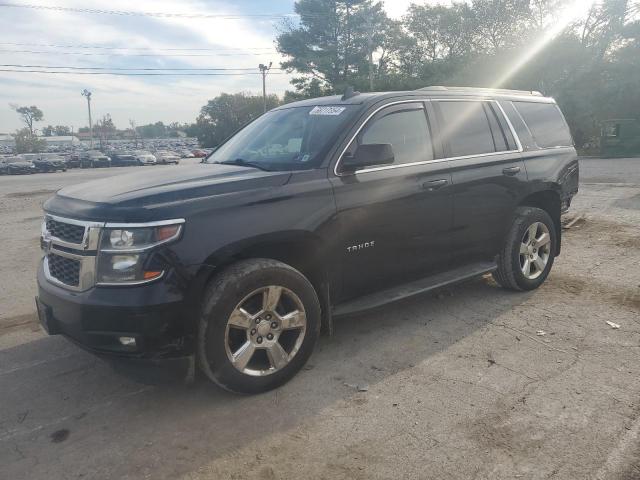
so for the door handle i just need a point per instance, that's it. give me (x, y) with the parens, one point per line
(511, 171)
(434, 185)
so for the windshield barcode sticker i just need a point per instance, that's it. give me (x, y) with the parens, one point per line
(327, 110)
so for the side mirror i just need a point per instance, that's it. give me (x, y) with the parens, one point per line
(367, 156)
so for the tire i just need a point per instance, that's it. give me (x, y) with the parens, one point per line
(245, 284)
(522, 254)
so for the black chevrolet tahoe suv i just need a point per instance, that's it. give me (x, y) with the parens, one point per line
(317, 209)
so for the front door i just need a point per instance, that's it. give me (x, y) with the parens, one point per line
(394, 220)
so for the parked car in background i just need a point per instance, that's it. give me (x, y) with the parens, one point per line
(186, 153)
(166, 158)
(3, 166)
(29, 157)
(19, 166)
(50, 162)
(145, 158)
(73, 160)
(199, 153)
(123, 160)
(94, 159)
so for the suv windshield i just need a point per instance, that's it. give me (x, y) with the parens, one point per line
(288, 139)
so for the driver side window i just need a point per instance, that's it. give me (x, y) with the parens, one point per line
(403, 126)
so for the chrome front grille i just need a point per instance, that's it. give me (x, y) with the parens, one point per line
(70, 248)
(65, 270)
(67, 232)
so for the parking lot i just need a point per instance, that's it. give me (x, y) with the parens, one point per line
(469, 382)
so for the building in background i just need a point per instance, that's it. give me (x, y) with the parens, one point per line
(620, 137)
(61, 141)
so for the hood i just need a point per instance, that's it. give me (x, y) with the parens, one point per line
(172, 184)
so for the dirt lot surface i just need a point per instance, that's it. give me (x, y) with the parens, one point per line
(470, 383)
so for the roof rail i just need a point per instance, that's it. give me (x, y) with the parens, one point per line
(502, 91)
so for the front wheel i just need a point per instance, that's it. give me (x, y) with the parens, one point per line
(527, 257)
(259, 324)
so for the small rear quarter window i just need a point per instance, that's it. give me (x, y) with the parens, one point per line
(546, 123)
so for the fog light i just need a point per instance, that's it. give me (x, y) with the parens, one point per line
(127, 341)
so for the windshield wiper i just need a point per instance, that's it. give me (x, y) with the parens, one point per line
(244, 163)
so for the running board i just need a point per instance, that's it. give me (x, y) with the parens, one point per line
(417, 287)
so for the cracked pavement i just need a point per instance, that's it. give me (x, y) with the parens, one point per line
(460, 383)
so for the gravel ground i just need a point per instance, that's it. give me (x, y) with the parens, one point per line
(457, 385)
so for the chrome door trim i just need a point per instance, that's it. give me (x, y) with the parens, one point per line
(513, 130)
(436, 160)
(386, 167)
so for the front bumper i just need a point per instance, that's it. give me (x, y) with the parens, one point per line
(154, 314)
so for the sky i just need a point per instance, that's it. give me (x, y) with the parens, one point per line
(33, 36)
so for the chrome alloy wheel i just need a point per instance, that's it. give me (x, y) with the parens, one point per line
(535, 250)
(265, 331)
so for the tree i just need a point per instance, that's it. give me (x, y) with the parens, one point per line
(59, 130)
(134, 130)
(62, 130)
(27, 142)
(499, 23)
(541, 12)
(332, 42)
(441, 32)
(105, 129)
(29, 115)
(591, 67)
(152, 130)
(226, 113)
(605, 25)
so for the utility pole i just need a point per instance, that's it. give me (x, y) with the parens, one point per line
(264, 69)
(87, 93)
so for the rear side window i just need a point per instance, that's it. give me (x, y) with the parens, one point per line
(546, 124)
(466, 128)
(406, 129)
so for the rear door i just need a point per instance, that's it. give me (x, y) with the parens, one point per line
(488, 176)
(394, 220)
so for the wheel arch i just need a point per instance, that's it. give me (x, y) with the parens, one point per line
(549, 201)
(301, 250)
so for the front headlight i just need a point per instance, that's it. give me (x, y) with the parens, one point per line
(125, 253)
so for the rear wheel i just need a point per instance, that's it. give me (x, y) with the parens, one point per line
(259, 325)
(527, 257)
